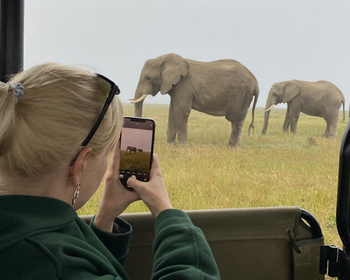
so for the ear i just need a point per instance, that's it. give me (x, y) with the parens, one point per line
(80, 164)
(173, 67)
(291, 90)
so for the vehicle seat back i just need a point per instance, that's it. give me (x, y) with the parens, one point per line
(273, 243)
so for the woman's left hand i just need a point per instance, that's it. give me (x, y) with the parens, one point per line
(115, 197)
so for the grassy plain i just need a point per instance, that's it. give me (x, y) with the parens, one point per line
(277, 169)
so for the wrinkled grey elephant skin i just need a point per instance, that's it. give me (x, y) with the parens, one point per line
(321, 99)
(219, 88)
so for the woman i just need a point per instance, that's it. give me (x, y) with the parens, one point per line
(58, 124)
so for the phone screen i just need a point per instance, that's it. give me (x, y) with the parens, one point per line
(136, 149)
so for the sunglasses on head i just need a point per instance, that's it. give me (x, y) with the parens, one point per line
(114, 91)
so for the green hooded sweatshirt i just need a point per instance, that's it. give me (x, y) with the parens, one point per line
(43, 238)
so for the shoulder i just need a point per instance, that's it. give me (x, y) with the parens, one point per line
(26, 260)
(57, 255)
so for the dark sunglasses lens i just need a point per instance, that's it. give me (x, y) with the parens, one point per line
(112, 87)
(105, 85)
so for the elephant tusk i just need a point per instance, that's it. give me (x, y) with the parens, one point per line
(273, 105)
(139, 99)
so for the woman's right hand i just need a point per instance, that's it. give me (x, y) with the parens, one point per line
(115, 197)
(153, 193)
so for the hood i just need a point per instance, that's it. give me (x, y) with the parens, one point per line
(24, 216)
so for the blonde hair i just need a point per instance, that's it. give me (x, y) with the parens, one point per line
(50, 121)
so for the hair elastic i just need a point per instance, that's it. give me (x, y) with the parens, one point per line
(18, 87)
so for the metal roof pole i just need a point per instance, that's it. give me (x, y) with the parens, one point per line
(11, 37)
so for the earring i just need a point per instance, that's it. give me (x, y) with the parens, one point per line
(76, 194)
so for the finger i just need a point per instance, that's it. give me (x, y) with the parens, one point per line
(115, 163)
(155, 166)
(135, 184)
(131, 194)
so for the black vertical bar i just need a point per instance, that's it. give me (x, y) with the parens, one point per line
(343, 266)
(343, 201)
(11, 37)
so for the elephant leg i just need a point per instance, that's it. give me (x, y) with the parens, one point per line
(181, 125)
(177, 123)
(237, 118)
(294, 114)
(235, 138)
(171, 132)
(286, 123)
(328, 129)
(180, 109)
(331, 129)
(293, 123)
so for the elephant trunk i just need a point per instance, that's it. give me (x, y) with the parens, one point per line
(266, 121)
(138, 109)
(270, 103)
(138, 102)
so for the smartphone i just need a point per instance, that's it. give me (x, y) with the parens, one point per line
(136, 149)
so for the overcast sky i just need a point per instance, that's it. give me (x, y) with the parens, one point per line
(276, 40)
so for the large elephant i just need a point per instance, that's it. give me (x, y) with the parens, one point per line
(219, 88)
(320, 99)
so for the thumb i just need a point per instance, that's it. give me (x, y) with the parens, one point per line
(135, 184)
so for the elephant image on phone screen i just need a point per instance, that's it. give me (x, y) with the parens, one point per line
(321, 99)
(219, 88)
(130, 150)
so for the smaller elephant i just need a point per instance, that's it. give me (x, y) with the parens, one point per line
(130, 150)
(139, 150)
(321, 99)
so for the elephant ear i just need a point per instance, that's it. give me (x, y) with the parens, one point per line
(291, 90)
(173, 67)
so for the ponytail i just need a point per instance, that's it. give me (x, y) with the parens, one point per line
(7, 116)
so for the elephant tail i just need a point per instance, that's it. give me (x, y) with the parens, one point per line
(256, 95)
(343, 110)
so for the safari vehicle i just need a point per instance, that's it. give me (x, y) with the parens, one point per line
(273, 243)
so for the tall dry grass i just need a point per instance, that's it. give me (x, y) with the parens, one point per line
(277, 169)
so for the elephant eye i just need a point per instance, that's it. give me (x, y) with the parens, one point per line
(148, 78)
